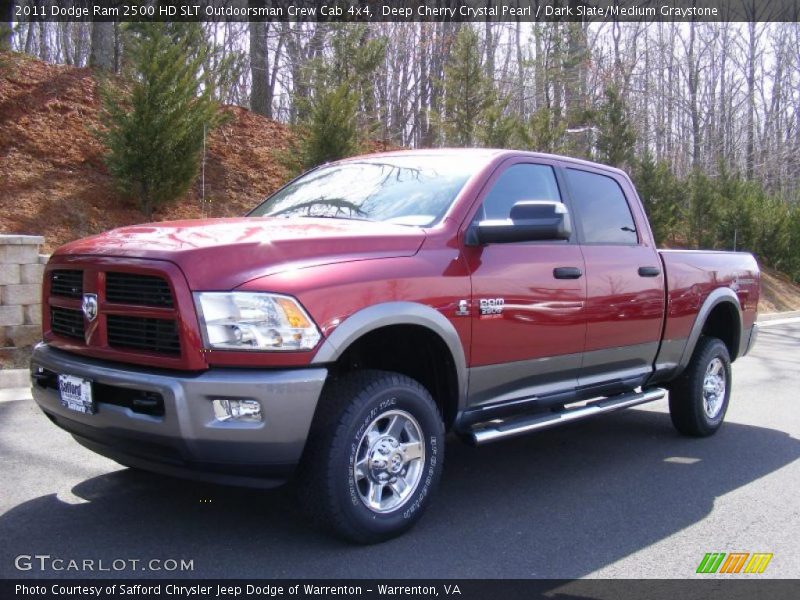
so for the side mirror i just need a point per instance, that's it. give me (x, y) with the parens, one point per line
(530, 221)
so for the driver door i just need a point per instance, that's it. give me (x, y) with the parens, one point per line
(528, 322)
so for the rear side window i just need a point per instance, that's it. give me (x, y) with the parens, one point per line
(519, 182)
(605, 216)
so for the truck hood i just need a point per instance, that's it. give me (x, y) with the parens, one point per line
(221, 254)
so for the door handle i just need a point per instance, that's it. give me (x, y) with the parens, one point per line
(649, 271)
(567, 273)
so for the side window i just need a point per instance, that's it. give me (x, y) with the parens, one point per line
(605, 216)
(519, 182)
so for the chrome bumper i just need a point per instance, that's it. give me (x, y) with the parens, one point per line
(187, 440)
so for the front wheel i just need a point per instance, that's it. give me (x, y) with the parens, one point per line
(374, 456)
(698, 399)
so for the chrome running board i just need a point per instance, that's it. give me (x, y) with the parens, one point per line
(484, 433)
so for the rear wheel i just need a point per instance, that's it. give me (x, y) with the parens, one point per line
(374, 456)
(698, 399)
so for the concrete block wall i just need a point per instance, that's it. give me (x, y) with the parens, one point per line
(21, 270)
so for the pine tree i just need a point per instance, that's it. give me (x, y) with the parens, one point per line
(331, 130)
(793, 241)
(660, 193)
(544, 131)
(499, 128)
(466, 90)
(156, 123)
(616, 137)
(703, 209)
(355, 60)
(339, 112)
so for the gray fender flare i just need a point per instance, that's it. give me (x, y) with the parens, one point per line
(714, 299)
(396, 313)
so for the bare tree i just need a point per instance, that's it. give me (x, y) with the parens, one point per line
(701, 95)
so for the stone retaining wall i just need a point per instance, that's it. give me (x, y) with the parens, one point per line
(21, 269)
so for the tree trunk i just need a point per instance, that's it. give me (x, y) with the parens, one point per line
(539, 68)
(423, 127)
(751, 97)
(44, 42)
(692, 82)
(260, 100)
(520, 68)
(29, 38)
(102, 52)
(490, 46)
(119, 48)
(6, 29)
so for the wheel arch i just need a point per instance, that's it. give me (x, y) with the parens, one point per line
(719, 316)
(392, 319)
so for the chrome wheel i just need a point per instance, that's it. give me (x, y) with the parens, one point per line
(714, 386)
(389, 461)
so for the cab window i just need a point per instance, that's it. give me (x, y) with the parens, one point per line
(605, 217)
(518, 182)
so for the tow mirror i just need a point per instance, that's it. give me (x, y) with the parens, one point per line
(529, 221)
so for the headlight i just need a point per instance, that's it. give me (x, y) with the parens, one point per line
(254, 321)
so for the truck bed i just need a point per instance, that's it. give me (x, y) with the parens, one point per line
(692, 276)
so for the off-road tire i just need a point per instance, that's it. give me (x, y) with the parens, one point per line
(688, 406)
(330, 491)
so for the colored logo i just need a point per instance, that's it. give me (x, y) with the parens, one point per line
(735, 562)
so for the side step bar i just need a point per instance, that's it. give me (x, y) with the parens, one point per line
(486, 433)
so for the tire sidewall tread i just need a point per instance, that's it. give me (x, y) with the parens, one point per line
(686, 393)
(326, 484)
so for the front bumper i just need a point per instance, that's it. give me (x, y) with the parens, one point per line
(186, 440)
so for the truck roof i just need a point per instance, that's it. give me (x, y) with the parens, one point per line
(488, 153)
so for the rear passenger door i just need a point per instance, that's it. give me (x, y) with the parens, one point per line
(624, 280)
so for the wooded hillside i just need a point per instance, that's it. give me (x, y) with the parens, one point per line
(705, 115)
(54, 182)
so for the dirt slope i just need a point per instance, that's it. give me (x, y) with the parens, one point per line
(53, 181)
(778, 294)
(52, 178)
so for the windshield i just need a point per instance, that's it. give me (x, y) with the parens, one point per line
(406, 190)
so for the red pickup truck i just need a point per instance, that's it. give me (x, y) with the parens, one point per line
(341, 328)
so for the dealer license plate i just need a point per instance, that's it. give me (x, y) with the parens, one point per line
(76, 394)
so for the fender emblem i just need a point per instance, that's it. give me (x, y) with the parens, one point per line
(491, 306)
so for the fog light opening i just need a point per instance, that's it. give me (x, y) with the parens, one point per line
(238, 411)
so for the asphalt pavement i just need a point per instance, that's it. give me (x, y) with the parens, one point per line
(622, 496)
